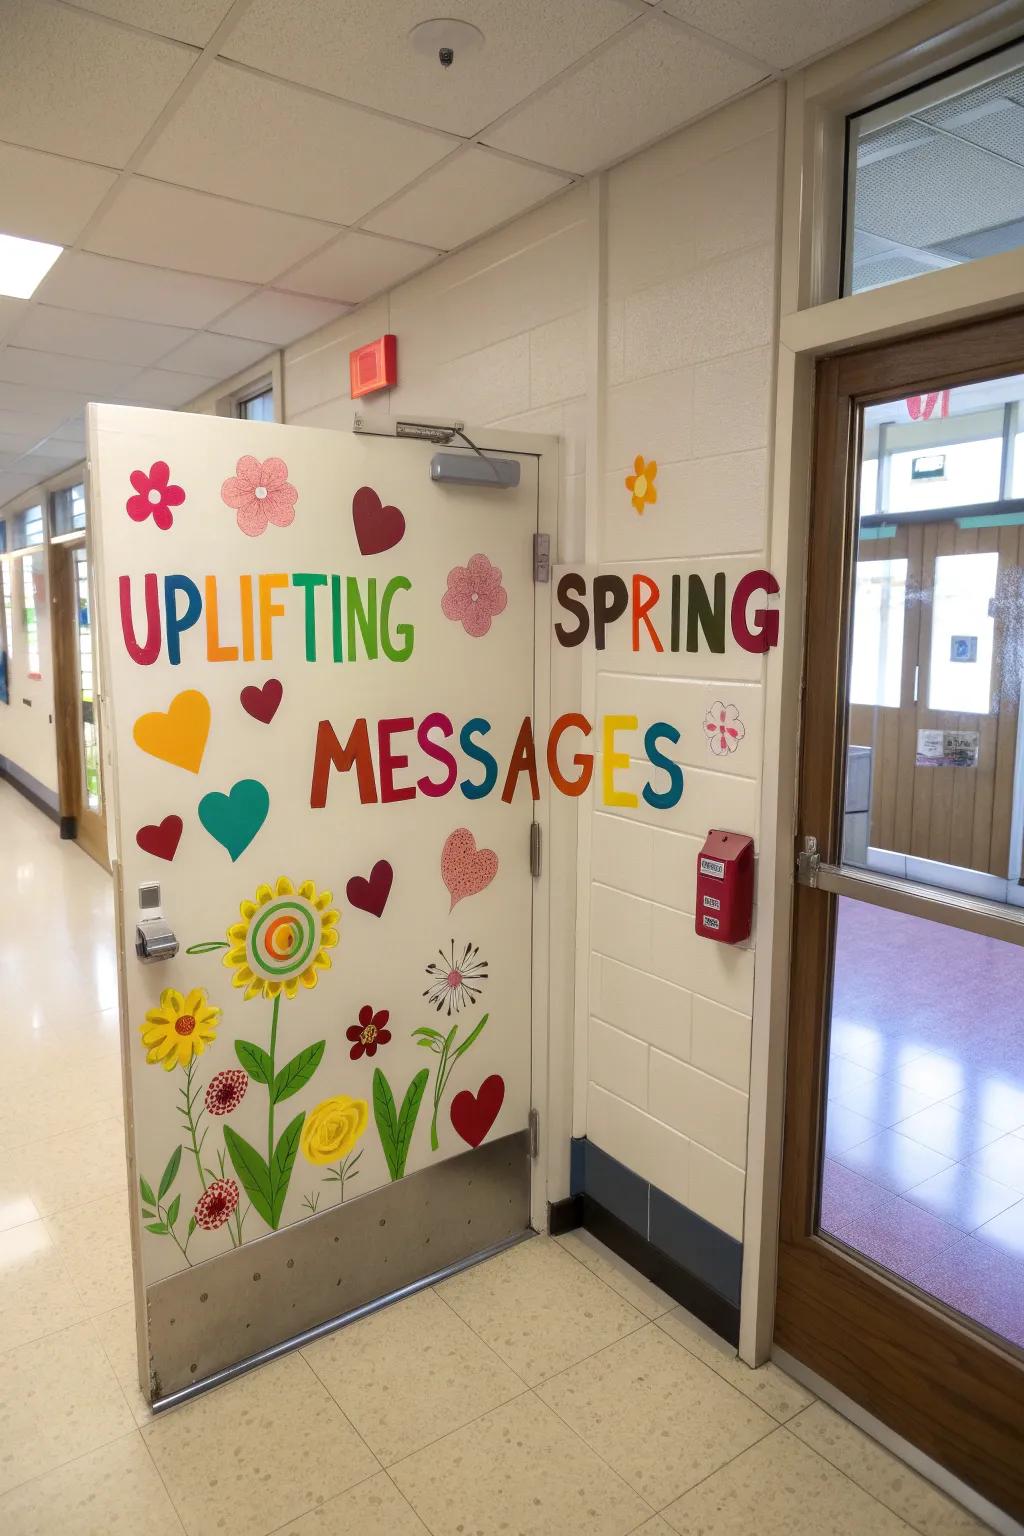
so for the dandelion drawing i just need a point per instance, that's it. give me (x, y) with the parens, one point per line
(456, 983)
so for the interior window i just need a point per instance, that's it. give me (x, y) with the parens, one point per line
(258, 407)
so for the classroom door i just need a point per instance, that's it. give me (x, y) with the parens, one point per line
(319, 663)
(901, 1251)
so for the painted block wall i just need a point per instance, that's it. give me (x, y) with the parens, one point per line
(654, 334)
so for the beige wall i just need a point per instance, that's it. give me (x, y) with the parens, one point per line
(27, 736)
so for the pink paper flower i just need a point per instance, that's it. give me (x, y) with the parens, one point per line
(260, 494)
(723, 728)
(155, 496)
(475, 595)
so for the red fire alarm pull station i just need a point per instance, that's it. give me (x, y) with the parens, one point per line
(373, 367)
(725, 887)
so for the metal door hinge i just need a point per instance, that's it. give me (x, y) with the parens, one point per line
(542, 557)
(535, 848)
(533, 1130)
(808, 862)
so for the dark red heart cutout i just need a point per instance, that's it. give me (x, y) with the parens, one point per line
(473, 1116)
(161, 841)
(377, 527)
(371, 895)
(262, 703)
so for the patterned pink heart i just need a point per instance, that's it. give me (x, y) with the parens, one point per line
(465, 868)
(262, 703)
(377, 527)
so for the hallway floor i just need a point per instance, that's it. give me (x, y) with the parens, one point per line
(924, 1139)
(550, 1391)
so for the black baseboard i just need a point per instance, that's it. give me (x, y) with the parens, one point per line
(565, 1215)
(68, 828)
(40, 803)
(690, 1292)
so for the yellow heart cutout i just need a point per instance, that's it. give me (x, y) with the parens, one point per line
(179, 736)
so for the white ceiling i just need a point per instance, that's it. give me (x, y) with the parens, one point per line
(228, 175)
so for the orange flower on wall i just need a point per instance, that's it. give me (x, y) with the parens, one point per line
(641, 483)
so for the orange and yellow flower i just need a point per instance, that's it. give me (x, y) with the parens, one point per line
(641, 483)
(179, 1029)
(282, 940)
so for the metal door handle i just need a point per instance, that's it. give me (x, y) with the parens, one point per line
(155, 939)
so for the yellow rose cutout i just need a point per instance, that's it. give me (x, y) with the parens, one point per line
(333, 1128)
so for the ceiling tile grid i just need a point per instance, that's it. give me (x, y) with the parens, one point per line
(229, 177)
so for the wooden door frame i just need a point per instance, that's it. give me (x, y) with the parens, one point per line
(953, 1392)
(86, 827)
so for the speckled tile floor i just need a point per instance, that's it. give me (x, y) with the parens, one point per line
(550, 1391)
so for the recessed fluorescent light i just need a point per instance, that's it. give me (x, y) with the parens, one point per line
(24, 264)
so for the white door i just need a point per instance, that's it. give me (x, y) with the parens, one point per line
(318, 666)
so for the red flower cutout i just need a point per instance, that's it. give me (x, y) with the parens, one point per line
(369, 1032)
(226, 1091)
(217, 1203)
(475, 595)
(155, 496)
(260, 494)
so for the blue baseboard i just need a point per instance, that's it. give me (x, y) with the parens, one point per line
(32, 788)
(687, 1256)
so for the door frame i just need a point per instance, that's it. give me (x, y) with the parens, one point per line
(947, 1389)
(90, 827)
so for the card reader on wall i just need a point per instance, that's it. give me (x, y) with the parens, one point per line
(474, 469)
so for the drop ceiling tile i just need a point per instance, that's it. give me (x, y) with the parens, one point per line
(788, 34)
(14, 444)
(46, 197)
(13, 484)
(71, 431)
(103, 336)
(189, 21)
(217, 357)
(41, 466)
(192, 232)
(103, 286)
(11, 311)
(27, 401)
(360, 50)
(166, 391)
(87, 374)
(267, 142)
(653, 79)
(277, 318)
(358, 265)
(31, 425)
(467, 195)
(72, 83)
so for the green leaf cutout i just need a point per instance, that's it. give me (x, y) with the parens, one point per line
(170, 1172)
(207, 947)
(284, 1159)
(386, 1116)
(192, 1224)
(407, 1118)
(147, 1193)
(149, 1215)
(172, 1210)
(255, 1060)
(464, 1047)
(297, 1072)
(253, 1172)
(158, 1227)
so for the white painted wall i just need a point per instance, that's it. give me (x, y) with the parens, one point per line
(676, 280)
(27, 736)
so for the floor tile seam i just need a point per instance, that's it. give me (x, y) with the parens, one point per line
(314, 1507)
(903, 1468)
(610, 1288)
(651, 1508)
(638, 1327)
(21, 1146)
(58, 1466)
(596, 1273)
(746, 1395)
(81, 1322)
(124, 1390)
(436, 1289)
(163, 1481)
(457, 1429)
(716, 1471)
(317, 1377)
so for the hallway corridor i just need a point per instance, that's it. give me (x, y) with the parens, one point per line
(550, 1391)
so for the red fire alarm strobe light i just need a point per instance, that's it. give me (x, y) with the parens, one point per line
(373, 367)
(725, 887)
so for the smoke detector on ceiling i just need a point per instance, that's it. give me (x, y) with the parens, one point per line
(446, 39)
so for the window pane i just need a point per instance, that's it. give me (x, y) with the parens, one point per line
(34, 597)
(258, 408)
(7, 581)
(69, 509)
(937, 177)
(27, 528)
(876, 668)
(960, 675)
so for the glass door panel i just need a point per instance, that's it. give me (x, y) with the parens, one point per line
(90, 745)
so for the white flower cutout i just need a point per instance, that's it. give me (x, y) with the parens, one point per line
(723, 728)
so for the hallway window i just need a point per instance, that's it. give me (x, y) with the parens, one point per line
(936, 177)
(33, 595)
(7, 587)
(68, 510)
(258, 407)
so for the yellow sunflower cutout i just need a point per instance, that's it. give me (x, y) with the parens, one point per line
(181, 1028)
(641, 483)
(283, 939)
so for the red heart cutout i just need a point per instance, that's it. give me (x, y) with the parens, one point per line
(377, 527)
(473, 1116)
(371, 895)
(161, 841)
(262, 703)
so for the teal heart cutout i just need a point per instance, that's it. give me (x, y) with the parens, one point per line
(234, 819)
